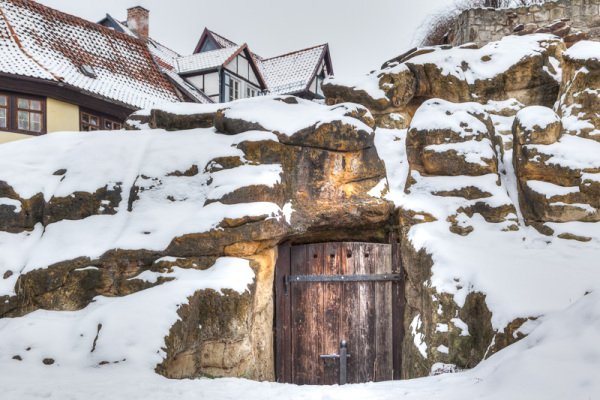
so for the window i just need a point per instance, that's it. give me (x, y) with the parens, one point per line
(111, 125)
(234, 89)
(3, 111)
(90, 121)
(29, 115)
(251, 92)
(22, 113)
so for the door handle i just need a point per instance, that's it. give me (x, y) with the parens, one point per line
(343, 356)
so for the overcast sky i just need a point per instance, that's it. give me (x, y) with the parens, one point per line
(362, 34)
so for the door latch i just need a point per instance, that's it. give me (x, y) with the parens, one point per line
(343, 356)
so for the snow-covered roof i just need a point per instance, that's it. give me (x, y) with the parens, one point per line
(183, 85)
(222, 41)
(206, 60)
(39, 42)
(165, 57)
(293, 72)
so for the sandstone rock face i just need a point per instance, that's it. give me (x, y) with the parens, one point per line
(307, 180)
(452, 151)
(553, 153)
(448, 141)
(522, 69)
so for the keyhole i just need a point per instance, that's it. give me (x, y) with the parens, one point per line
(366, 255)
(332, 256)
(315, 256)
(349, 255)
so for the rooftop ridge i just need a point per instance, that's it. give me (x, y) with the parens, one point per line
(35, 6)
(295, 52)
(222, 37)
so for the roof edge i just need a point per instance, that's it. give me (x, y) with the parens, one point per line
(295, 52)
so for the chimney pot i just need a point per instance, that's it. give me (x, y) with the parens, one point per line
(138, 20)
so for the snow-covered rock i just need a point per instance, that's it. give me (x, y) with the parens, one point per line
(151, 209)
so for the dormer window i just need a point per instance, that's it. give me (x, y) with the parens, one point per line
(88, 71)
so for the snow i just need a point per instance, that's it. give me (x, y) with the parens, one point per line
(571, 151)
(583, 50)
(536, 117)
(290, 73)
(419, 338)
(206, 60)
(16, 204)
(167, 207)
(369, 82)
(502, 55)
(288, 211)
(443, 349)
(457, 117)
(583, 206)
(182, 108)
(493, 106)
(379, 189)
(540, 262)
(130, 329)
(550, 189)
(467, 65)
(87, 269)
(228, 180)
(287, 119)
(459, 323)
(475, 152)
(556, 361)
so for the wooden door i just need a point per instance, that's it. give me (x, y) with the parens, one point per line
(330, 292)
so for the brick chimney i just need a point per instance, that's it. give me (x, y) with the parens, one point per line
(138, 20)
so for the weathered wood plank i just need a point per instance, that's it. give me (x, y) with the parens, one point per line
(398, 304)
(351, 312)
(332, 302)
(283, 345)
(367, 363)
(383, 316)
(314, 317)
(299, 327)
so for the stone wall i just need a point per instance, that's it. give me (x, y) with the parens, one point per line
(485, 25)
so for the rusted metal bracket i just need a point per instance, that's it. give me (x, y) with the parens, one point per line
(343, 356)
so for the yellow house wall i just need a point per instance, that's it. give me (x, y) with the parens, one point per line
(61, 116)
(6, 137)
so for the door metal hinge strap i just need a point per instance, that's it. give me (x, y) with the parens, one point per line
(341, 278)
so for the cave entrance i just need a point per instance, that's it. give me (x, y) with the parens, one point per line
(327, 293)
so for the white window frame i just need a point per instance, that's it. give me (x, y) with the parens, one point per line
(233, 88)
(251, 91)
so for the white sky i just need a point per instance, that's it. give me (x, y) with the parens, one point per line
(362, 34)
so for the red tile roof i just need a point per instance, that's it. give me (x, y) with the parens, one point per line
(40, 42)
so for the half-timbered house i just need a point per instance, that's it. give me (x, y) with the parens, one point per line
(225, 71)
(299, 73)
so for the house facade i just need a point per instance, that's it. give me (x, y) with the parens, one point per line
(62, 73)
(223, 71)
(298, 73)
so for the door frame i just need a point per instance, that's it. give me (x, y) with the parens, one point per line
(282, 312)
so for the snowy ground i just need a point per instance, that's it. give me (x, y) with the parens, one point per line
(560, 359)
